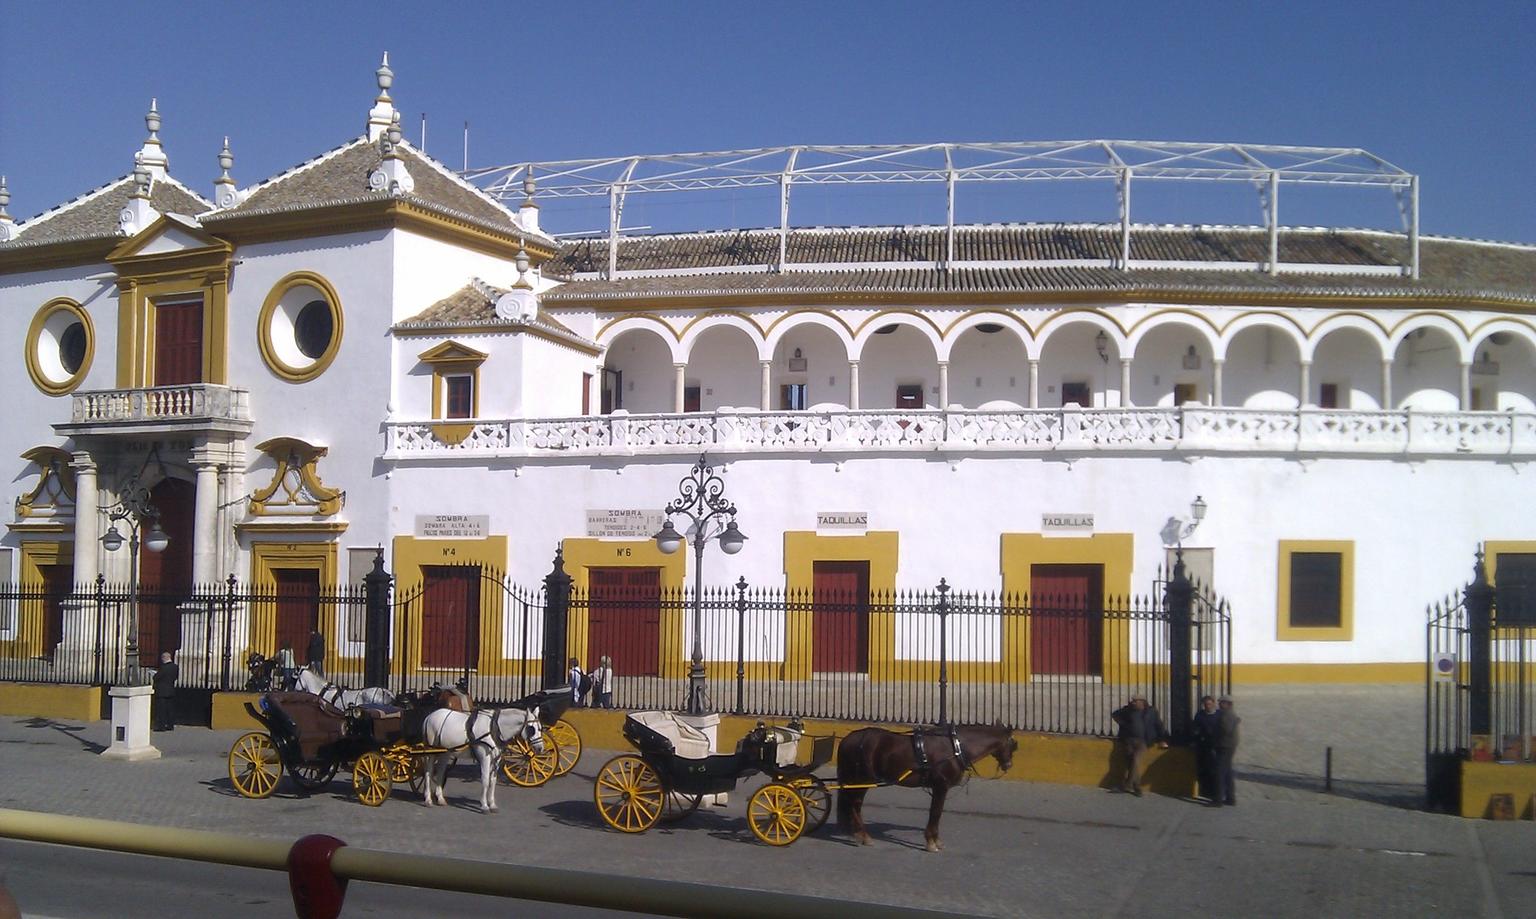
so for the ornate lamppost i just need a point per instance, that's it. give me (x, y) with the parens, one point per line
(701, 498)
(134, 508)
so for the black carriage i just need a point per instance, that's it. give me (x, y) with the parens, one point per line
(673, 770)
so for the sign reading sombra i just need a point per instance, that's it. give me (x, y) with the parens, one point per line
(453, 526)
(623, 523)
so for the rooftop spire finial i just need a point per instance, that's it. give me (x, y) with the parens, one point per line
(152, 155)
(225, 194)
(152, 120)
(6, 223)
(383, 109)
(386, 77)
(5, 197)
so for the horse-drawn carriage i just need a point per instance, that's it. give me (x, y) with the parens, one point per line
(312, 739)
(673, 770)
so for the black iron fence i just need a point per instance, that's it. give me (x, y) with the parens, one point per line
(1480, 694)
(1056, 662)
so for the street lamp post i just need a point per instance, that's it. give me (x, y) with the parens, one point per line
(134, 509)
(701, 498)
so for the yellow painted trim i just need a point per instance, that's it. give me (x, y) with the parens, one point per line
(921, 320)
(1022, 551)
(1345, 631)
(412, 553)
(52, 462)
(488, 328)
(583, 553)
(168, 277)
(29, 626)
(1481, 781)
(279, 526)
(34, 335)
(51, 700)
(453, 359)
(1493, 548)
(304, 556)
(277, 365)
(802, 550)
(281, 449)
(661, 326)
(1374, 672)
(229, 712)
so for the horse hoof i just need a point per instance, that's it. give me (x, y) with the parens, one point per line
(865, 840)
(933, 847)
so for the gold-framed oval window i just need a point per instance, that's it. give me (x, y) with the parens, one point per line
(60, 346)
(299, 329)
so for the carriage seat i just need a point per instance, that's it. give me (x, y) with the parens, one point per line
(688, 741)
(386, 722)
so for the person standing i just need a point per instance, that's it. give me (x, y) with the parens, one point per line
(576, 678)
(316, 654)
(285, 667)
(164, 700)
(1206, 726)
(602, 682)
(1226, 748)
(1140, 727)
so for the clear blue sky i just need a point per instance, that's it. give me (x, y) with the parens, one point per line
(1446, 90)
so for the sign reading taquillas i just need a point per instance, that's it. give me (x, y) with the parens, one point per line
(842, 520)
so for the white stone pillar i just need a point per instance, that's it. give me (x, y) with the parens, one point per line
(766, 372)
(87, 520)
(1305, 398)
(1216, 367)
(1034, 383)
(1466, 386)
(1386, 385)
(853, 385)
(1125, 382)
(205, 510)
(679, 384)
(943, 384)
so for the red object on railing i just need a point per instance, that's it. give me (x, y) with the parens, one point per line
(317, 892)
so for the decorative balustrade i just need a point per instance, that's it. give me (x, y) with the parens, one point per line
(1196, 429)
(189, 405)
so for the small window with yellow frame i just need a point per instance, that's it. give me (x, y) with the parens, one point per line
(1316, 595)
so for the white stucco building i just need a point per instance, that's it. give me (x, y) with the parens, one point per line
(370, 351)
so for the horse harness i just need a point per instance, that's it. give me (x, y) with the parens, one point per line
(920, 754)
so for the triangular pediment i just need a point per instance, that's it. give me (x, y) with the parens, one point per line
(451, 351)
(170, 235)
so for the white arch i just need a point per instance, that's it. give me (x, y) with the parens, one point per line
(1008, 321)
(1518, 329)
(1363, 324)
(666, 333)
(1458, 335)
(809, 317)
(875, 323)
(724, 320)
(1164, 320)
(1259, 320)
(1059, 321)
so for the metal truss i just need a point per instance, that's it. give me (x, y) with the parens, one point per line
(1264, 166)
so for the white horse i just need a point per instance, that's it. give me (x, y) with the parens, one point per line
(485, 732)
(331, 694)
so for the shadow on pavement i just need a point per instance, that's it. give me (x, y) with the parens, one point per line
(72, 731)
(1407, 796)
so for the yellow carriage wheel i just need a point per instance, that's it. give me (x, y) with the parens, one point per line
(370, 779)
(254, 767)
(403, 767)
(628, 794)
(776, 814)
(564, 733)
(525, 766)
(818, 803)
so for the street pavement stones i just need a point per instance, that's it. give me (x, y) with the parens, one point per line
(1011, 848)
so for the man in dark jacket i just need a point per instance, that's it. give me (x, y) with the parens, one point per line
(1206, 726)
(316, 656)
(163, 703)
(1140, 727)
(1226, 748)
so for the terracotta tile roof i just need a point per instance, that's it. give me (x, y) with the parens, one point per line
(906, 259)
(340, 176)
(474, 304)
(94, 215)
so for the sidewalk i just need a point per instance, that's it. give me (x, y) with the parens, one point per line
(1011, 849)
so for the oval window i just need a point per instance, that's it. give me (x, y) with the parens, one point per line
(72, 348)
(313, 330)
(59, 347)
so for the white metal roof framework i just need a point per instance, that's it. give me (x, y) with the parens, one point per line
(1264, 166)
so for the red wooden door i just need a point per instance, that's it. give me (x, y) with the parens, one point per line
(624, 620)
(165, 578)
(450, 616)
(1066, 633)
(56, 586)
(178, 343)
(298, 607)
(840, 617)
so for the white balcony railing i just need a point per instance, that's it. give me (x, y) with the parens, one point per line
(1067, 430)
(189, 405)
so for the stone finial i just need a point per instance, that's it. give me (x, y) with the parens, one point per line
(391, 175)
(383, 111)
(225, 192)
(152, 154)
(138, 213)
(528, 211)
(7, 225)
(522, 269)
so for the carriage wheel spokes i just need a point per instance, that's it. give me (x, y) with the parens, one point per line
(370, 779)
(254, 767)
(525, 766)
(677, 806)
(818, 803)
(564, 733)
(628, 794)
(776, 814)
(313, 776)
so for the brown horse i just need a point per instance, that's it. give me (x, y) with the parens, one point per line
(874, 756)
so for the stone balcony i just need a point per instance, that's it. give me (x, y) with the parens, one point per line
(193, 408)
(1070, 430)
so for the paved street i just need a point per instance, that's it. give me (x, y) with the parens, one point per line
(1012, 849)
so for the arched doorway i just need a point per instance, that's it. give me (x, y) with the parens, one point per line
(165, 578)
